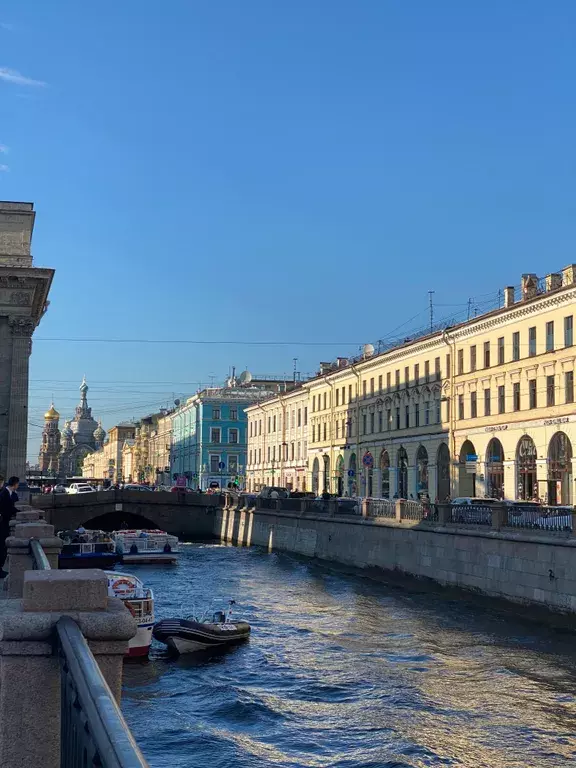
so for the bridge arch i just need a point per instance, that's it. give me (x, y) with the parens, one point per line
(115, 521)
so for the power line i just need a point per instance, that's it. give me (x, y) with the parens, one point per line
(205, 342)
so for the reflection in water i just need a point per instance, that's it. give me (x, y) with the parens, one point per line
(341, 671)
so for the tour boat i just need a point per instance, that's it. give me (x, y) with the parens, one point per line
(197, 634)
(87, 549)
(140, 602)
(146, 546)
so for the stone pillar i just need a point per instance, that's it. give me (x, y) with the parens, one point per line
(432, 482)
(14, 463)
(499, 516)
(444, 513)
(400, 505)
(20, 559)
(377, 483)
(30, 671)
(510, 485)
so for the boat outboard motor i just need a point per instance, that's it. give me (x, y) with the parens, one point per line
(219, 617)
(133, 549)
(167, 547)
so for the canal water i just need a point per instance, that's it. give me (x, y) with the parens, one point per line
(343, 671)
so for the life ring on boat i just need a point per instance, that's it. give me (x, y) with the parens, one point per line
(122, 587)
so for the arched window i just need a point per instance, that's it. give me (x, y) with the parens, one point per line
(559, 470)
(385, 471)
(495, 469)
(467, 470)
(443, 472)
(402, 465)
(422, 471)
(315, 476)
(526, 456)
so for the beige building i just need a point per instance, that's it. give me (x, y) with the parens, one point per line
(277, 441)
(485, 407)
(106, 463)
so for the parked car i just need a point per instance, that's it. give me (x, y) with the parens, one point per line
(81, 488)
(267, 491)
(137, 487)
(474, 500)
(59, 488)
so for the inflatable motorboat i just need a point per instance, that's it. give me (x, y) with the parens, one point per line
(191, 634)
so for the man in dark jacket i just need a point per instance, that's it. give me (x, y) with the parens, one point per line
(8, 498)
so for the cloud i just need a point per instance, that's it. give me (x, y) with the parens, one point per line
(13, 76)
(4, 168)
(4, 149)
(6, 26)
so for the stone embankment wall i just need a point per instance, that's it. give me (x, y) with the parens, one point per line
(529, 568)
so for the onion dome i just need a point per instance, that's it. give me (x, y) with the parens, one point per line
(52, 414)
(84, 386)
(67, 431)
(99, 433)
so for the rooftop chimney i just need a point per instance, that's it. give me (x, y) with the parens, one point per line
(508, 295)
(529, 286)
(553, 281)
(569, 275)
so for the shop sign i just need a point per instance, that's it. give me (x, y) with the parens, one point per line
(497, 428)
(561, 420)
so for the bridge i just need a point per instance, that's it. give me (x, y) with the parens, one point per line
(186, 515)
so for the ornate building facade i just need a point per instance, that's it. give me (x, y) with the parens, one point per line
(62, 453)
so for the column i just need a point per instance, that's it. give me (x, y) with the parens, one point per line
(511, 490)
(393, 482)
(14, 462)
(432, 482)
(377, 483)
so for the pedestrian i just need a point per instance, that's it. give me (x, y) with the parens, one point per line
(8, 498)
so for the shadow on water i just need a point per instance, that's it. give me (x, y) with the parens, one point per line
(344, 671)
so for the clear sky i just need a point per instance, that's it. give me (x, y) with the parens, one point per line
(276, 170)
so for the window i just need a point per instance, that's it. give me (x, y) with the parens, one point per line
(299, 417)
(269, 424)
(251, 431)
(364, 388)
(460, 406)
(343, 427)
(372, 423)
(388, 381)
(233, 465)
(406, 376)
(460, 361)
(291, 451)
(437, 371)
(293, 420)
(337, 397)
(274, 423)
(569, 331)
(473, 405)
(532, 341)
(501, 399)
(380, 419)
(417, 415)
(313, 433)
(448, 366)
(380, 384)
(516, 396)
(427, 371)
(407, 416)
(216, 414)
(487, 402)
(427, 412)
(371, 387)
(416, 374)
(349, 393)
(532, 399)
(550, 391)
(273, 453)
(324, 400)
(313, 403)
(438, 408)
(397, 418)
(501, 350)
(516, 345)
(550, 336)
(343, 395)
(486, 354)
(473, 358)
(306, 416)
(232, 435)
(388, 419)
(364, 423)
(233, 414)
(569, 386)
(260, 427)
(214, 462)
(259, 455)
(397, 375)
(215, 435)
(324, 430)
(337, 429)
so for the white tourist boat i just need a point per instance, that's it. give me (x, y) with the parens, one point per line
(140, 602)
(146, 546)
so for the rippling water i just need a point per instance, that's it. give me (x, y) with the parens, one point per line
(342, 671)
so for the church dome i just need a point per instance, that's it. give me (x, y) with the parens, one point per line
(67, 432)
(99, 433)
(52, 414)
(84, 386)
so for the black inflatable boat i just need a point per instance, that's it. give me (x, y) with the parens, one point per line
(189, 635)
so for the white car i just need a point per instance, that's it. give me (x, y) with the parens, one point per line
(81, 488)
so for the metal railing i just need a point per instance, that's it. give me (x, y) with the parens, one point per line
(412, 510)
(381, 508)
(93, 731)
(555, 519)
(471, 514)
(39, 556)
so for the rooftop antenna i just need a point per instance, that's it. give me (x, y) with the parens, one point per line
(469, 307)
(430, 294)
(295, 360)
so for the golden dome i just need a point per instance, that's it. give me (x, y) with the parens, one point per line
(52, 414)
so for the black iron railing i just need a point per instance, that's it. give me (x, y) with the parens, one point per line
(40, 560)
(93, 731)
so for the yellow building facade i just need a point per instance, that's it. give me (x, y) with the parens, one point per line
(485, 408)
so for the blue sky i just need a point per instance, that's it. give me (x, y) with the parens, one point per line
(276, 171)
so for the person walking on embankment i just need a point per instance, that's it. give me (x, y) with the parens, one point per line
(8, 499)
